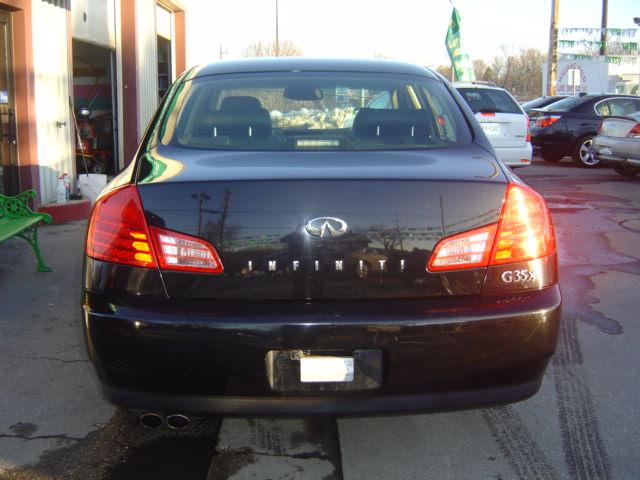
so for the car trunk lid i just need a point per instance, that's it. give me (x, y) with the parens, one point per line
(341, 227)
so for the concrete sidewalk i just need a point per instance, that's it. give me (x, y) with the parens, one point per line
(49, 398)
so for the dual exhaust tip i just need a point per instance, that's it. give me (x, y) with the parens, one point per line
(175, 421)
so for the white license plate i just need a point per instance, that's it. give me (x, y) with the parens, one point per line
(605, 151)
(326, 369)
(491, 128)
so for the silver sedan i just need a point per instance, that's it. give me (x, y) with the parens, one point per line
(618, 144)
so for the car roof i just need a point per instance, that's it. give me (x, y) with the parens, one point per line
(292, 64)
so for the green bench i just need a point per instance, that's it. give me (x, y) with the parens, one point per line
(18, 220)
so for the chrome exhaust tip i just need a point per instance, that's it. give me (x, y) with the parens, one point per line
(151, 420)
(177, 421)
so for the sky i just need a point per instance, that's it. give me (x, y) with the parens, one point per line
(406, 30)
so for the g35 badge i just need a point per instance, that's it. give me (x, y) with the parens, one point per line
(518, 276)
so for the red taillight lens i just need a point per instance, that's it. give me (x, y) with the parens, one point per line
(118, 231)
(635, 131)
(547, 120)
(488, 114)
(465, 250)
(177, 251)
(524, 232)
(528, 138)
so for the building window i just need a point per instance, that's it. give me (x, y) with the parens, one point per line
(164, 31)
(164, 66)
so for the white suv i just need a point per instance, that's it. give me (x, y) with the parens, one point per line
(502, 119)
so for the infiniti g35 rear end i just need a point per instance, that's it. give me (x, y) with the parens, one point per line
(279, 246)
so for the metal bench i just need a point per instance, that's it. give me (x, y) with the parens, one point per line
(18, 220)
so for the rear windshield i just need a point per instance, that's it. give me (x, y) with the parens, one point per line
(488, 100)
(539, 102)
(566, 104)
(313, 111)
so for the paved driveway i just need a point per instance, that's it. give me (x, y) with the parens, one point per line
(584, 424)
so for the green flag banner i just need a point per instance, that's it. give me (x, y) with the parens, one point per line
(460, 62)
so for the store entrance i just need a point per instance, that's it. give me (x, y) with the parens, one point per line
(9, 179)
(95, 108)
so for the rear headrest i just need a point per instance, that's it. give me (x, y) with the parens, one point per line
(236, 123)
(240, 103)
(371, 122)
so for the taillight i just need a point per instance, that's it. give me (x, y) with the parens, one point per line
(635, 131)
(465, 250)
(547, 120)
(118, 233)
(177, 251)
(488, 114)
(528, 138)
(524, 232)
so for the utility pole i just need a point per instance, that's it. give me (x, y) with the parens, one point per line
(603, 24)
(636, 20)
(277, 37)
(201, 197)
(552, 59)
(223, 217)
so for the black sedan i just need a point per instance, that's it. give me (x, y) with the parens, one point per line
(567, 127)
(277, 247)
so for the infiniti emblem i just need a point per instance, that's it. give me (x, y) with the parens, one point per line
(326, 227)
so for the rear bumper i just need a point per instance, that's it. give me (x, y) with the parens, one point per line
(514, 156)
(548, 139)
(322, 406)
(434, 358)
(617, 150)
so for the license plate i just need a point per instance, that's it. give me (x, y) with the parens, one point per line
(491, 128)
(326, 369)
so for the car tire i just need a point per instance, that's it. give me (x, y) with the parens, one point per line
(551, 155)
(626, 170)
(583, 155)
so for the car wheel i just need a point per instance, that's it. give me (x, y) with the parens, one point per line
(583, 154)
(627, 170)
(551, 155)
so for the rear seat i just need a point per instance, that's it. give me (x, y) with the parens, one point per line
(407, 126)
(240, 119)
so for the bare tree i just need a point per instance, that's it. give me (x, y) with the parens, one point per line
(268, 49)
(445, 71)
(519, 72)
(382, 56)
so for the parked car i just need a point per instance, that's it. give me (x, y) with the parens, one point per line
(502, 119)
(618, 144)
(223, 268)
(540, 102)
(567, 127)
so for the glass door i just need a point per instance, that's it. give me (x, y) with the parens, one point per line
(9, 180)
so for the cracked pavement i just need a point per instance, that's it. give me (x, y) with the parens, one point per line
(581, 425)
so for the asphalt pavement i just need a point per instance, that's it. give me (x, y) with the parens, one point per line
(583, 424)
